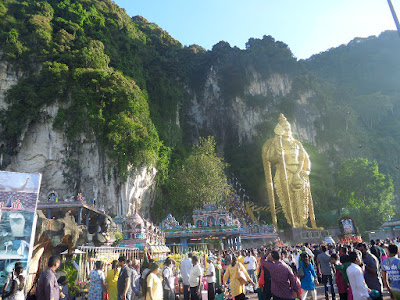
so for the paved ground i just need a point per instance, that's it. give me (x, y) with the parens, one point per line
(320, 294)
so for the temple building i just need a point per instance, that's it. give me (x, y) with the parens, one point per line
(214, 227)
(141, 233)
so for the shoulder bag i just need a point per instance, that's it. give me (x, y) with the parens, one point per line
(241, 276)
(300, 272)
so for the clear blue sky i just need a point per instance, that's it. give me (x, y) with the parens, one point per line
(307, 26)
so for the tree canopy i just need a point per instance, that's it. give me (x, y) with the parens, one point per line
(362, 188)
(199, 179)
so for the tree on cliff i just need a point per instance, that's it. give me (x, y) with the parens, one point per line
(199, 179)
(363, 189)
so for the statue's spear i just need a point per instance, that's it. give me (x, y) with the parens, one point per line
(269, 182)
(285, 182)
(396, 20)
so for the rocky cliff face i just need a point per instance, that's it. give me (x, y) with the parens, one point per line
(239, 119)
(81, 166)
(72, 167)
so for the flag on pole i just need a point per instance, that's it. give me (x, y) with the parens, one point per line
(146, 258)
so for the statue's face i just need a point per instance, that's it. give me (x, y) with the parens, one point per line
(283, 128)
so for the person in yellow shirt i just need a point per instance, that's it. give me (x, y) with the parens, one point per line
(237, 289)
(241, 257)
(154, 284)
(112, 279)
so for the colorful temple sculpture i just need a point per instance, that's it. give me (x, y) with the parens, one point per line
(349, 231)
(211, 216)
(214, 227)
(85, 213)
(141, 233)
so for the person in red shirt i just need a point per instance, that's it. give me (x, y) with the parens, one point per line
(283, 282)
(342, 285)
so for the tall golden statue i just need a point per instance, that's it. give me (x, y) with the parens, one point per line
(291, 181)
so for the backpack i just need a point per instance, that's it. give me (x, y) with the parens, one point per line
(137, 285)
(135, 281)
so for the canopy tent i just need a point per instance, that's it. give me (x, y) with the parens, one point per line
(159, 249)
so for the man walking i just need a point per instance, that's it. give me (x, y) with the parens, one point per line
(376, 250)
(354, 272)
(283, 282)
(124, 280)
(47, 287)
(135, 284)
(325, 268)
(186, 267)
(211, 279)
(169, 280)
(251, 264)
(391, 272)
(372, 274)
(195, 278)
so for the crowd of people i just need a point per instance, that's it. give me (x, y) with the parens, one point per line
(354, 272)
(237, 208)
(357, 271)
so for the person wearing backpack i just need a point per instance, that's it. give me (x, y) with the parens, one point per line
(10, 278)
(307, 276)
(391, 272)
(168, 280)
(17, 286)
(135, 279)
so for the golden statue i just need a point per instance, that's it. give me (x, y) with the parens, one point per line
(291, 181)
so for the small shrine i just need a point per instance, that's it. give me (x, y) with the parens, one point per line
(170, 222)
(211, 216)
(349, 231)
(213, 227)
(140, 233)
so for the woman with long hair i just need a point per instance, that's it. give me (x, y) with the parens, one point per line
(154, 289)
(309, 277)
(17, 286)
(97, 285)
(233, 272)
(112, 279)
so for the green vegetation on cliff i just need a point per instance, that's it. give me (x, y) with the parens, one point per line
(127, 84)
(101, 67)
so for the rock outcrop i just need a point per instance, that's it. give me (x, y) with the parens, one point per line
(239, 119)
(75, 167)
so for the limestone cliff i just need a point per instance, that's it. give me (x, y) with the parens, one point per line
(240, 120)
(69, 168)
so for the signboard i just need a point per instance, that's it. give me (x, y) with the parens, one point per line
(18, 201)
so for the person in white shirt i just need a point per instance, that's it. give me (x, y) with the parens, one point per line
(169, 280)
(251, 263)
(211, 278)
(195, 279)
(186, 267)
(296, 257)
(355, 274)
(308, 251)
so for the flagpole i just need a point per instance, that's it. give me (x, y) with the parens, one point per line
(396, 20)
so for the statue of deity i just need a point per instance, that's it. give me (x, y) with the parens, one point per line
(291, 182)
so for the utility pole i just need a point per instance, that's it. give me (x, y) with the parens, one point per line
(396, 20)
